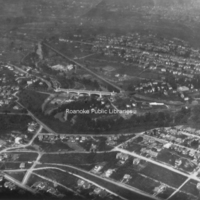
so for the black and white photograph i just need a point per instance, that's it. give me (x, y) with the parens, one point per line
(99, 99)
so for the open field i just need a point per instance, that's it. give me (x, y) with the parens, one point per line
(78, 158)
(17, 175)
(191, 187)
(160, 174)
(114, 188)
(22, 156)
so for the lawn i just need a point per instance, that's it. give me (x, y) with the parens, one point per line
(191, 187)
(183, 196)
(17, 175)
(78, 158)
(23, 156)
(110, 186)
(49, 147)
(163, 175)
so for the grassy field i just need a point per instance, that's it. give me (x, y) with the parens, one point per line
(9, 165)
(49, 147)
(170, 158)
(191, 187)
(114, 188)
(161, 174)
(59, 176)
(146, 179)
(13, 123)
(17, 175)
(24, 156)
(182, 196)
(138, 180)
(78, 158)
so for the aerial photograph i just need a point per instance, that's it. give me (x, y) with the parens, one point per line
(100, 99)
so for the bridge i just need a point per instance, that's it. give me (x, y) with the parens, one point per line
(88, 92)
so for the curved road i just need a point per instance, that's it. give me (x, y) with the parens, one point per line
(122, 190)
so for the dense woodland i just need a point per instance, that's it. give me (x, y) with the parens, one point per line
(13, 122)
(85, 123)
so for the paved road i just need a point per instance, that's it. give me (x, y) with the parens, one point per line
(190, 135)
(35, 169)
(91, 135)
(21, 150)
(32, 115)
(194, 175)
(2, 113)
(178, 189)
(23, 145)
(134, 137)
(189, 177)
(156, 163)
(94, 183)
(36, 119)
(52, 181)
(36, 134)
(86, 56)
(122, 190)
(29, 171)
(41, 123)
(9, 178)
(25, 72)
(174, 144)
(76, 152)
(80, 65)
